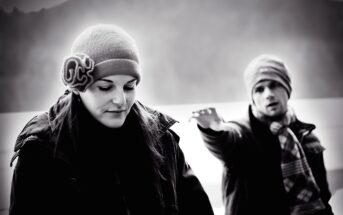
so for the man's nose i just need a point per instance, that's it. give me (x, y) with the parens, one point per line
(268, 93)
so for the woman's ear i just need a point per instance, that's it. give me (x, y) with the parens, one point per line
(76, 92)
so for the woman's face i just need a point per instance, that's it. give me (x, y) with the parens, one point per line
(109, 99)
(270, 98)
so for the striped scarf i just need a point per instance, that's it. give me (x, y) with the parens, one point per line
(298, 180)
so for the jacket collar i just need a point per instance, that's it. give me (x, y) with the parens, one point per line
(301, 128)
(63, 115)
(64, 109)
(162, 121)
(54, 129)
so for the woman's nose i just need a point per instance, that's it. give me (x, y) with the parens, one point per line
(118, 97)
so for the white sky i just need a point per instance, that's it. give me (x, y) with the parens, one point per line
(28, 5)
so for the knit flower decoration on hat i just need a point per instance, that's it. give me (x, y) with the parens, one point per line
(77, 72)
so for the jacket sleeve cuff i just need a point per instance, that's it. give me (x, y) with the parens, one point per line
(209, 131)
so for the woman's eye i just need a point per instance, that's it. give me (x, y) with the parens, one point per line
(130, 87)
(102, 88)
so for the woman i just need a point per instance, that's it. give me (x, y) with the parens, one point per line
(98, 150)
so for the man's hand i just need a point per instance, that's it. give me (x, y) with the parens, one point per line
(208, 118)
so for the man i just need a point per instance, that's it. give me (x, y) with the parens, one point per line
(273, 163)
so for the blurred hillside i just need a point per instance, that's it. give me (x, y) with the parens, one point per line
(192, 51)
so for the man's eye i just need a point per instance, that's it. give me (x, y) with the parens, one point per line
(274, 85)
(259, 89)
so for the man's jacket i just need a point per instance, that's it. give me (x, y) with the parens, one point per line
(252, 179)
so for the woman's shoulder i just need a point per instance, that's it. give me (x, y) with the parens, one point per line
(173, 135)
(163, 122)
(35, 134)
(160, 124)
(37, 126)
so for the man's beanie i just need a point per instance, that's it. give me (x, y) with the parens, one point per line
(100, 51)
(267, 67)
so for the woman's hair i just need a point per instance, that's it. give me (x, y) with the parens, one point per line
(149, 128)
(147, 123)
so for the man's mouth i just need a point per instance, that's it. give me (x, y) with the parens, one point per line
(272, 104)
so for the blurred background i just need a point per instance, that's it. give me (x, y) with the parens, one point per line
(192, 51)
(193, 54)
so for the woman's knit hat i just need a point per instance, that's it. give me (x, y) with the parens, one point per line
(267, 67)
(100, 51)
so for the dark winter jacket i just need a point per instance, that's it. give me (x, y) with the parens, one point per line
(67, 164)
(252, 179)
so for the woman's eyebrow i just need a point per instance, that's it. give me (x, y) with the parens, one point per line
(106, 80)
(131, 81)
(110, 81)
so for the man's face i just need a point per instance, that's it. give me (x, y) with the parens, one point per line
(270, 98)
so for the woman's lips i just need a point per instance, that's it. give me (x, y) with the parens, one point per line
(115, 111)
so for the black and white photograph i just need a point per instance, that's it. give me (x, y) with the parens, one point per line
(207, 107)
